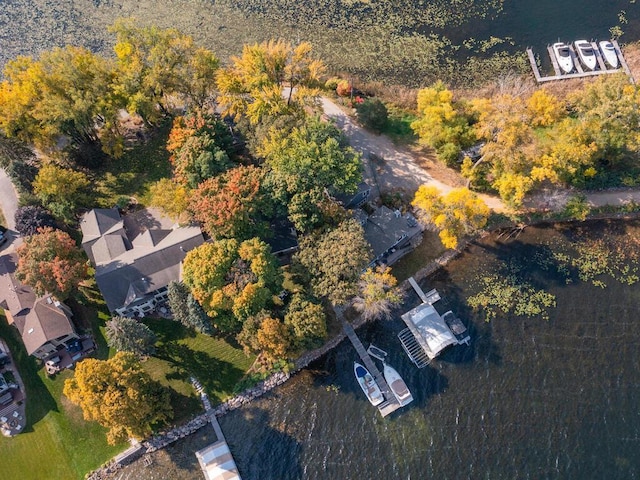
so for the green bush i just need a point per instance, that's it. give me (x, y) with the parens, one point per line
(332, 83)
(373, 114)
(449, 153)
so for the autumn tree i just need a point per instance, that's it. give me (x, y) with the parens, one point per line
(544, 108)
(30, 218)
(307, 322)
(332, 261)
(232, 280)
(252, 86)
(129, 335)
(50, 262)
(200, 145)
(119, 395)
(60, 189)
(273, 338)
(232, 205)
(306, 165)
(171, 197)
(67, 94)
(154, 64)
(459, 212)
(378, 293)
(441, 123)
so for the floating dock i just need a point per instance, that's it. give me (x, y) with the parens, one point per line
(390, 404)
(580, 72)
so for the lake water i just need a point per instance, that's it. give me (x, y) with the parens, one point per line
(528, 399)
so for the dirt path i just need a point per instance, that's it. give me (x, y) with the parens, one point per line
(397, 169)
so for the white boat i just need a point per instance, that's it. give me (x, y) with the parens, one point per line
(368, 384)
(563, 55)
(609, 53)
(586, 54)
(397, 385)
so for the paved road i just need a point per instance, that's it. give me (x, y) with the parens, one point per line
(399, 170)
(9, 205)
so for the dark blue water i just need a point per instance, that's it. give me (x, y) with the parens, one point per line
(528, 399)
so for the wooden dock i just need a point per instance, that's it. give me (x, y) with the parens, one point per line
(390, 404)
(581, 73)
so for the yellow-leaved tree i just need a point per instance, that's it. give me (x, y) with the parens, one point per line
(460, 212)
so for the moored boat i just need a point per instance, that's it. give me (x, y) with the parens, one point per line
(397, 385)
(586, 54)
(368, 384)
(609, 53)
(563, 55)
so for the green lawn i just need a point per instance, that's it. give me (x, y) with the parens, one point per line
(134, 172)
(57, 442)
(430, 249)
(216, 363)
(398, 126)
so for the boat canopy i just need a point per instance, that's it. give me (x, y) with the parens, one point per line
(429, 329)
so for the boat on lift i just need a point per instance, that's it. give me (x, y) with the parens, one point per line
(609, 53)
(586, 54)
(397, 385)
(562, 53)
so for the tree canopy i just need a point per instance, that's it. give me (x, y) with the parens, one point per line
(333, 261)
(30, 218)
(232, 280)
(119, 395)
(50, 262)
(378, 293)
(306, 165)
(455, 214)
(307, 322)
(232, 205)
(129, 335)
(62, 190)
(252, 86)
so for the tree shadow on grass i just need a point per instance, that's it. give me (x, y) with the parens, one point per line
(215, 375)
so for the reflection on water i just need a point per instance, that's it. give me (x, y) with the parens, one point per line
(528, 399)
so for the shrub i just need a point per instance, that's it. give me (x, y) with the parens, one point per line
(373, 114)
(449, 153)
(343, 88)
(332, 83)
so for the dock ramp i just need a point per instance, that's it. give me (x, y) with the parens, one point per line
(413, 349)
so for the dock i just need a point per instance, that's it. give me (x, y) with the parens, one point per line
(580, 72)
(390, 404)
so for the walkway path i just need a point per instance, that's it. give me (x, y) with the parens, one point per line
(399, 170)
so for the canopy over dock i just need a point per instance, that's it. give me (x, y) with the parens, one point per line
(429, 329)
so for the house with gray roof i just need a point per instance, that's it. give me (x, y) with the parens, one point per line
(44, 323)
(135, 256)
(390, 233)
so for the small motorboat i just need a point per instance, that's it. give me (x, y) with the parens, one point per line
(609, 53)
(586, 54)
(563, 55)
(397, 385)
(368, 384)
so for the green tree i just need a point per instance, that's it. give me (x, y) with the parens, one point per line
(232, 281)
(119, 395)
(232, 205)
(333, 261)
(459, 212)
(50, 262)
(378, 293)
(252, 85)
(187, 310)
(305, 166)
(129, 335)
(155, 64)
(373, 114)
(307, 322)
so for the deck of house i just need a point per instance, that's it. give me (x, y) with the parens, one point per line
(580, 72)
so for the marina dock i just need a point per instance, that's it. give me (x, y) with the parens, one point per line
(390, 404)
(580, 72)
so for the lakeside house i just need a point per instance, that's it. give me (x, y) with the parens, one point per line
(44, 323)
(136, 256)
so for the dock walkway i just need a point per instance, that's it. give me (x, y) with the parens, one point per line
(390, 404)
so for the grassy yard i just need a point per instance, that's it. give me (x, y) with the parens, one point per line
(398, 126)
(133, 173)
(216, 363)
(430, 249)
(57, 442)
